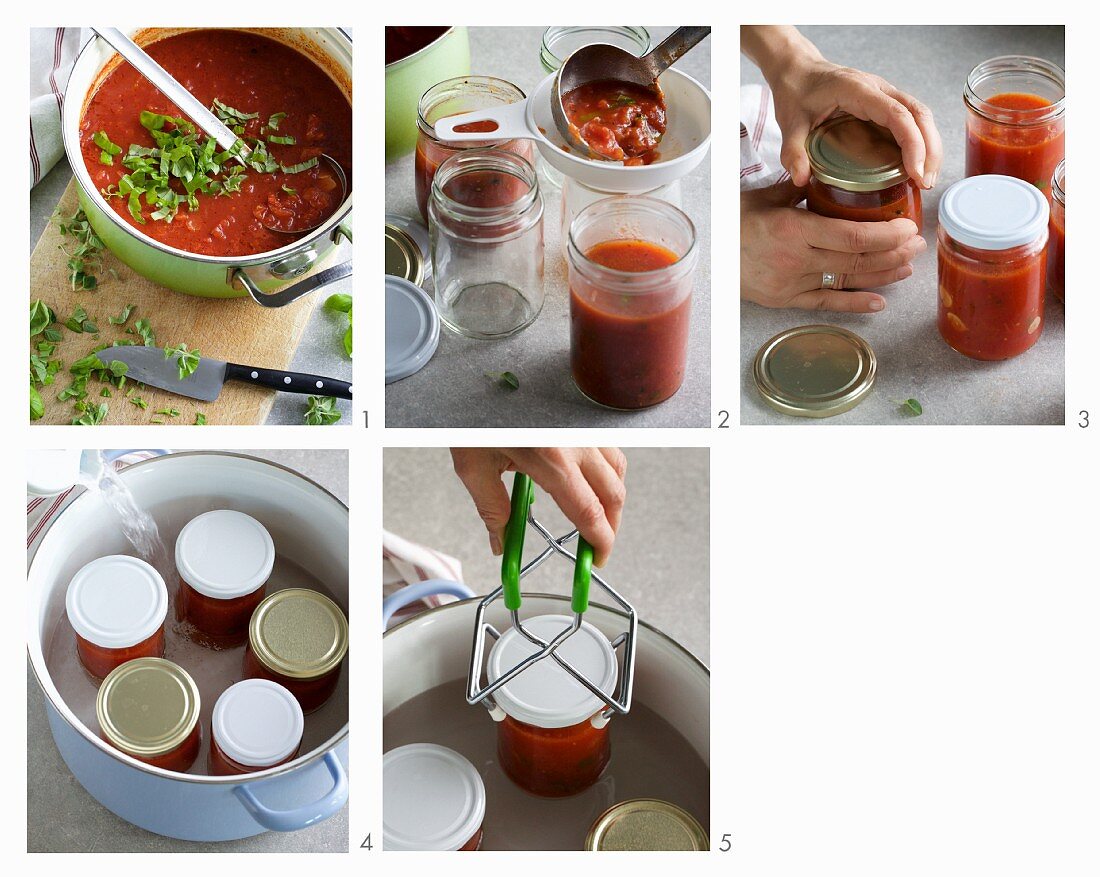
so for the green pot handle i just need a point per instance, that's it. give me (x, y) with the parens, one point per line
(523, 494)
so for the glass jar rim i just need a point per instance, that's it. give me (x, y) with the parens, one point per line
(448, 87)
(640, 36)
(631, 282)
(1015, 64)
(481, 160)
(1058, 183)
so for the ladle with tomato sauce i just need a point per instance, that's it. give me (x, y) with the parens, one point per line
(607, 102)
(294, 214)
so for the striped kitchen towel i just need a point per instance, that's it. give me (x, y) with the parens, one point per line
(405, 563)
(761, 139)
(53, 53)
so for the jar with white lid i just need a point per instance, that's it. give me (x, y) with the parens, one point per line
(149, 709)
(432, 799)
(224, 559)
(116, 606)
(552, 737)
(992, 261)
(256, 724)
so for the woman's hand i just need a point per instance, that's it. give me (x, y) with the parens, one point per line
(785, 251)
(586, 483)
(808, 89)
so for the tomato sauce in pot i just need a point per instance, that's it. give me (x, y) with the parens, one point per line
(284, 101)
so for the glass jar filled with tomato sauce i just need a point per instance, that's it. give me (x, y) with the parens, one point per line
(992, 258)
(631, 264)
(553, 737)
(452, 97)
(298, 638)
(149, 709)
(116, 605)
(486, 239)
(1056, 252)
(224, 559)
(433, 798)
(1016, 118)
(256, 724)
(857, 173)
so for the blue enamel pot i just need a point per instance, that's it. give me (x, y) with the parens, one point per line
(310, 528)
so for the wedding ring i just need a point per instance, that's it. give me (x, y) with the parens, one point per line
(828, 280)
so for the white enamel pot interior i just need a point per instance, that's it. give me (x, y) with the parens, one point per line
(310, 528)
(433, 648)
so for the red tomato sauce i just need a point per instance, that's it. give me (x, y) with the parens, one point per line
(902, 200)
(179, 759)
(618, 120)
(219, 764)
(474, 843)
(252, 74)
(1028, 152)
(311, 694)
(404, 41)
(100, 661)
(991, 310)
(222, 622)
(628, 351)
(553, 762)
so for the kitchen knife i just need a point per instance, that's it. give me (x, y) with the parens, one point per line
(148, 365)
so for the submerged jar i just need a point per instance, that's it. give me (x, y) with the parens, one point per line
(485, 226)
(224, 559)
(857, 174)
(1016, 118)
(298, 638)
(149, 709)
(256, 724)
(992, 266)
(116, 606)
(432, 799)
(631, 266)
(553, 739)
(1056, 252)
(452, 97)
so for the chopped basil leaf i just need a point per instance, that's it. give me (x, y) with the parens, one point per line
(282, 141)
(186, 360)
(273, 122)
(121, 319)
(200, 419)
(505, 379)
(298, 168)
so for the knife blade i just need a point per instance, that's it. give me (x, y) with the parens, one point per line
(149, 366)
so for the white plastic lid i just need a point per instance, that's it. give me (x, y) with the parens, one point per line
(432, 798)
(545, 695)
(224, 554)
(50, 472)
(994, 212)
(116, 601)
(258, 723)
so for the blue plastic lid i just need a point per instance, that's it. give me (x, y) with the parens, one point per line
(412, 328)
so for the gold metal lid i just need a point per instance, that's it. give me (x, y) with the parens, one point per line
(855, 155)
(298, 633)
(815, 371)
(646, 824)
(403, 256)
(148, 706)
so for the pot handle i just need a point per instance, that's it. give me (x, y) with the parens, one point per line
(306, 815)
(418, 591)
(292, 293)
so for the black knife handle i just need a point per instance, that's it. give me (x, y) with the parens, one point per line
(288, 382)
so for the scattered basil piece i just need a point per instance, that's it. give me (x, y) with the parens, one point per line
(281, 141)
(911, 407)
(142, 328)
(37, 406)
(121, 319)
(200, 419)
(186, 360)
(92, 416)
(301, 166)
(110, 149)
(288, 190)
(141, 403)
(322, 411)
(41, 317)
(274, 120)
(505, 379)
(87, 257)
(170, 412)
(105, 392)
(341, 303)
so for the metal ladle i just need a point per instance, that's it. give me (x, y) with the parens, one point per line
(602, 62)
(193, 108)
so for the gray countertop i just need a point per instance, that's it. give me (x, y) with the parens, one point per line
(321, 350)
(62, 817)
(930, 63)
(452, 389)
(661, 560)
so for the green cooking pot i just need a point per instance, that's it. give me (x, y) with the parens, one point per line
(446, 57)
(269, 278)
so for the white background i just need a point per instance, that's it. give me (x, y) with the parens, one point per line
(905, 620)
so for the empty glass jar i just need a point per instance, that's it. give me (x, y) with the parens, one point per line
(485, 224)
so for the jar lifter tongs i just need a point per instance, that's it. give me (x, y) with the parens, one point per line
(512, 571)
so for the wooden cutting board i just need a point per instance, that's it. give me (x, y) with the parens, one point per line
(235, 330)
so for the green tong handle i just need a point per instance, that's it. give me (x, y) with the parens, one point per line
(582, 575)
(523, 494)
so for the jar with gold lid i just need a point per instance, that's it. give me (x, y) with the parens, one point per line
(148, 708)
(857, 173)
(298, 638)
(646, 824)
